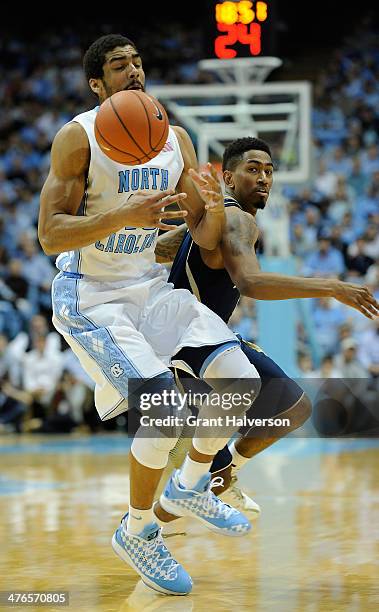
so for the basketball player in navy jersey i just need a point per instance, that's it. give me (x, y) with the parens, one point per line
(218, 277)
(114, 307)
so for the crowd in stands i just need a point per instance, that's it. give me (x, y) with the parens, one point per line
(334, 219)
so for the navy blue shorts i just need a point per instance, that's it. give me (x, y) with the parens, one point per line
(278, 393)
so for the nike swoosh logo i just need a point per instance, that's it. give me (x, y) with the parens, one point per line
(138, 518)
(159, 115)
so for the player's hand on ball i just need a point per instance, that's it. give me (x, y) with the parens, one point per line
(209, 188)
(358, 297)
(143, 210)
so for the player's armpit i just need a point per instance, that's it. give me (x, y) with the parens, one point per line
(168, 244)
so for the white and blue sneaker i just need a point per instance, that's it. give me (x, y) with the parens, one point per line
(202, 504)
(236, 497)
(147, 554)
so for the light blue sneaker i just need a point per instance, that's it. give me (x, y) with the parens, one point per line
(202, 504)
(147, 554)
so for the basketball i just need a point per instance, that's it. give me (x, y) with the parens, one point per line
(131, 127)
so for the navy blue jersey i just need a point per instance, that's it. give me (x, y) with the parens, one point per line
(214, 288)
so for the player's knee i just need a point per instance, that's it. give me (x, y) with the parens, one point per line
(303, 409)
(163, 443)
(209, 445)
(152, 449)
(251, 384)
(300, 412)
(238, 395)
(231, 372)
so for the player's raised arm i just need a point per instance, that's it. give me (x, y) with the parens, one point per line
(206, 217)
(240, 260)
(59, 229)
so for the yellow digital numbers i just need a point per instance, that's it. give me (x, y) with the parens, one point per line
(261, 10)
(246, 14)
(227, 12)
(240, 12)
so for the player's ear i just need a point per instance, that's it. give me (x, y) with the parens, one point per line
(228, 178)
(95, 85)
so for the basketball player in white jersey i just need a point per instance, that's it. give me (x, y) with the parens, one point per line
(113, 305)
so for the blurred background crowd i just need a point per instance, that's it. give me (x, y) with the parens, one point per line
(334, 218)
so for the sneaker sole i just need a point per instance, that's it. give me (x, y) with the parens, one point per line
(171, 507)
(120, 552)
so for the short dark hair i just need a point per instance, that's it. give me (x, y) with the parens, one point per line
(94, 57)
(235, 150)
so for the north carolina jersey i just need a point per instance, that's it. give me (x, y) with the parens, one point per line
(127, 255)
(214, 288)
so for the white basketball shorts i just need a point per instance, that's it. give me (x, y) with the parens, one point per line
(120, 332)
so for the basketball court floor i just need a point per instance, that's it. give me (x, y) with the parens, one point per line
(315, 547)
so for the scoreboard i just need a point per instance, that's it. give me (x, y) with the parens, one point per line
(242, 28)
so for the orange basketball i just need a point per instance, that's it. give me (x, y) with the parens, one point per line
(131, 127)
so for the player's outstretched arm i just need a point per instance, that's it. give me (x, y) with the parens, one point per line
(168, 244)
(206, 213)
(240, 260)
(59, 229)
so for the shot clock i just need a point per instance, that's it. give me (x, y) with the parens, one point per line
(242, 28)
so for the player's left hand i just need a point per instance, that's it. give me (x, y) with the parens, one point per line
(356, 296)
(209, 188)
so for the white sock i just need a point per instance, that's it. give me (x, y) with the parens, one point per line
(191, 472)
(237, 459)
(138, 519)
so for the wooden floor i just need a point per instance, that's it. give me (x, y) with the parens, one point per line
(315, 547)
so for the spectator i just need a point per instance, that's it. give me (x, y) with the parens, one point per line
(326, 261)
(311, 224)
(371, 237)
(328, 368)
(13, 405)
(41, 372)
(348, 231)
(357, 179)
(347, 361)
(328, 316)
(342, 201)
(301, 243)
(339, 163)
(36, 267)
(367, 204)
(370, 159)
(326, 180)
(357, 261)
(305, 365)
(24, 340)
